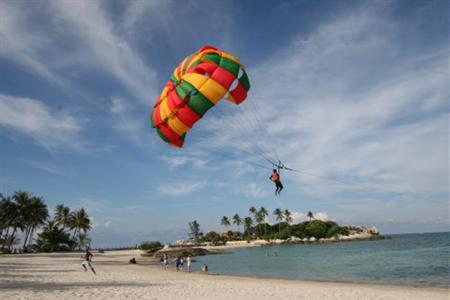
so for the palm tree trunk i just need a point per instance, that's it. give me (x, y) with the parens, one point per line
(30, 238)
(27, 235)
(12, 234)
(7, 232)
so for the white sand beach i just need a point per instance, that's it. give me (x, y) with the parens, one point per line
(60, 276)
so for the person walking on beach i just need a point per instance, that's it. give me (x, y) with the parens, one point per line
(165, 261)
(189, 263)
(87, 261)
(178, 263)
(275, 177)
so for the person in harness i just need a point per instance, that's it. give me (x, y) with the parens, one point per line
(275, 177)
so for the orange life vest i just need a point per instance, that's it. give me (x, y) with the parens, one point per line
(275, 176)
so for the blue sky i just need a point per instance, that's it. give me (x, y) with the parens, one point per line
(350, 90)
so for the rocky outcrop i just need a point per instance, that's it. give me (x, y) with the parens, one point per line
(365, 230)
(182, 252)
(356, 233)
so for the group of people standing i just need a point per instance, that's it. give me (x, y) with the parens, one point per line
(179, 263)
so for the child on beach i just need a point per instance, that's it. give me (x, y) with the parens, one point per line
(165, 261)
(87, 261)
(205, 268)
(178, 263)
(189, 263)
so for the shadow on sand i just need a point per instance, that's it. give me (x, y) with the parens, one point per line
(43, 286)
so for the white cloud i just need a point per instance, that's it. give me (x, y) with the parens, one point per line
(118, 105)
(53, 168)
(108, 224)
(103, 46)
(254, 190)
(131, 125)
(94, 223)
(198, 160)
(178, 189)
(34, 119)
(95, 205)
(90, 42)
(298, 217)
(22, 45)
(346, 104)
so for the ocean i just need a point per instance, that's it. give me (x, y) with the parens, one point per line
(404, 259)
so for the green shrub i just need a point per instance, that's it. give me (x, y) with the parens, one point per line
(298, 230)
(317, 229)
(54, 239)
(337, 230)
(150, 246)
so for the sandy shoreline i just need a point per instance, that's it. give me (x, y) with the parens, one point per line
(60, 276)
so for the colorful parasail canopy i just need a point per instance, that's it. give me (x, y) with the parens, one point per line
(196, 85)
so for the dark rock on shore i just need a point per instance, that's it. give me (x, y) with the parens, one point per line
(183, 252)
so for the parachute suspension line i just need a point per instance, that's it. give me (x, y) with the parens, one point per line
(223, 154)
(340, 181)
(254, 131)
(244, 144)
(262, 125)
(241, 149)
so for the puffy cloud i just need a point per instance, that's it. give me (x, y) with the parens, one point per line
(34, 119)
(298, 217)
(254, 190)
(181, 188)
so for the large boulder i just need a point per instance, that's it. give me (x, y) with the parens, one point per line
(373, 230)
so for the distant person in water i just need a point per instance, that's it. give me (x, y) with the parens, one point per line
(275, 177)
(87, 261)
(205, 268)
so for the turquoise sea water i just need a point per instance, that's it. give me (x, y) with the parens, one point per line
(408, 259)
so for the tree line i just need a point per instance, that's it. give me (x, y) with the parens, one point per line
(27, 214)
(255, 227)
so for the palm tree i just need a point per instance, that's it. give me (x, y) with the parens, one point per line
(80, 222)
(237, 220)
(8, 212)
(248, 222)
(49, 226)
(52, 238)
(253, 211)
(279, 213)
(310, 215)
(23, 212)
(22, 219)
(287, 216)
(264, 213)
(38, 215)
(225, 222)
(259, 218)
(62, 216)
(3, 215)
(83, 240)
